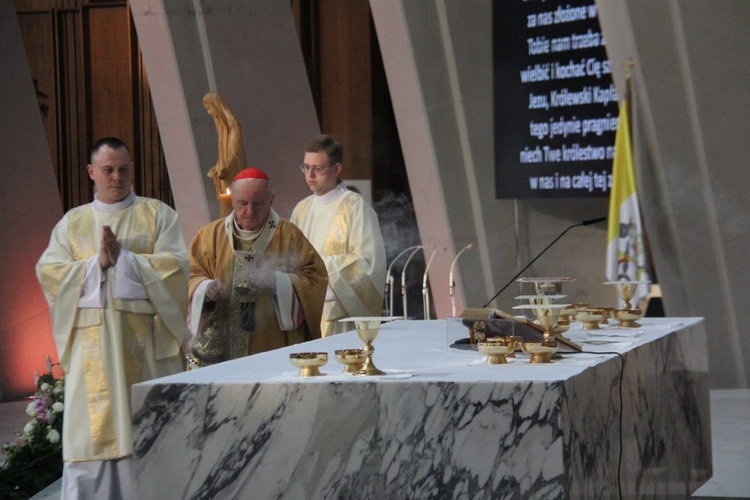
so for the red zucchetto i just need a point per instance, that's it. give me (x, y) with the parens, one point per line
(251, 173)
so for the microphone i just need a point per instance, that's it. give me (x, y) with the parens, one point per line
(451, 283)
(389, 280)
(426, 287)
(591, 221)
(584, 223)
(403, 278)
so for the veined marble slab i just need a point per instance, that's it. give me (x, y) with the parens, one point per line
(440, 425)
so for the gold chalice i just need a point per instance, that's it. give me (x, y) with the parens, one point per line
(547, 316)
(628, 317)
(352, 359)
(367, 329)
(626, 290)
(496, 349)
(308, 362)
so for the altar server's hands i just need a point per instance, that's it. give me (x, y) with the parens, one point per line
(109, 250)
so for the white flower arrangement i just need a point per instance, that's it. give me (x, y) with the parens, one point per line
(35, 457)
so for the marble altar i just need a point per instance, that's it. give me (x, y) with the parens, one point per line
(439, 424)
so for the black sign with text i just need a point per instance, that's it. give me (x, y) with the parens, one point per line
(556, 107)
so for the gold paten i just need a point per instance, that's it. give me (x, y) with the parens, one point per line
(626, 290)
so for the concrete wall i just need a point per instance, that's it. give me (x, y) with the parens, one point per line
(690, 137)
(29, 208)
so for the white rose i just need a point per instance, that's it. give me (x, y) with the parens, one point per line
(45, 387)
(53, 436)
(29, 427)
(57, 407)
(30, 410)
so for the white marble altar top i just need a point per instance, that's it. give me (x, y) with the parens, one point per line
(417, 350)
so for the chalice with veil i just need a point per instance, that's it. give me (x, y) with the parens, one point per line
(368, 328)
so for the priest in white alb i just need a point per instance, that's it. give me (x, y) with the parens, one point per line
(345, 231)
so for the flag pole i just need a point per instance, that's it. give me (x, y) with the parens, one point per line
(629, 63)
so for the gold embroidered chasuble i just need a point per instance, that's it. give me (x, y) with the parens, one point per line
(346, 233)
(106, 350)
(216, 253)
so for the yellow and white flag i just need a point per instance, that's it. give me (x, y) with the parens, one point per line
(626, 250)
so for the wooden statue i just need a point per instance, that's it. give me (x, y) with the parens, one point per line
(231, 149)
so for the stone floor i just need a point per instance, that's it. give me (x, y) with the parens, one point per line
(730, 433)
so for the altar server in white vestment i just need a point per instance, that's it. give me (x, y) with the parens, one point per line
(115, 275)
(345, 231)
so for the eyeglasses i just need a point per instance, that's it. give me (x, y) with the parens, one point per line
(317, 169)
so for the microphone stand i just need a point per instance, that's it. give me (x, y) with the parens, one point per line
(450, 279)
(403, 280)
(389, 280)
(584, 223)
(426, 287)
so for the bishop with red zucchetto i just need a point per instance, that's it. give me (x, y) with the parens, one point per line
(256, 282)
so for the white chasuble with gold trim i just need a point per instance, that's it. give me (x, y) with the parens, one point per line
(105, 350)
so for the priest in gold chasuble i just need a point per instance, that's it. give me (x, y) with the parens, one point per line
(256, 283)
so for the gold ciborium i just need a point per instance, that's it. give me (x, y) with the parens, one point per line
(628, 317)
(367, 330)
(563, 325)
(308, 362)
(540, 351)
(352, 359)
(626, 290)
(497, 349)
(591, 319)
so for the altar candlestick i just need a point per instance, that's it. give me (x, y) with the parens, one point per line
(225, 203)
